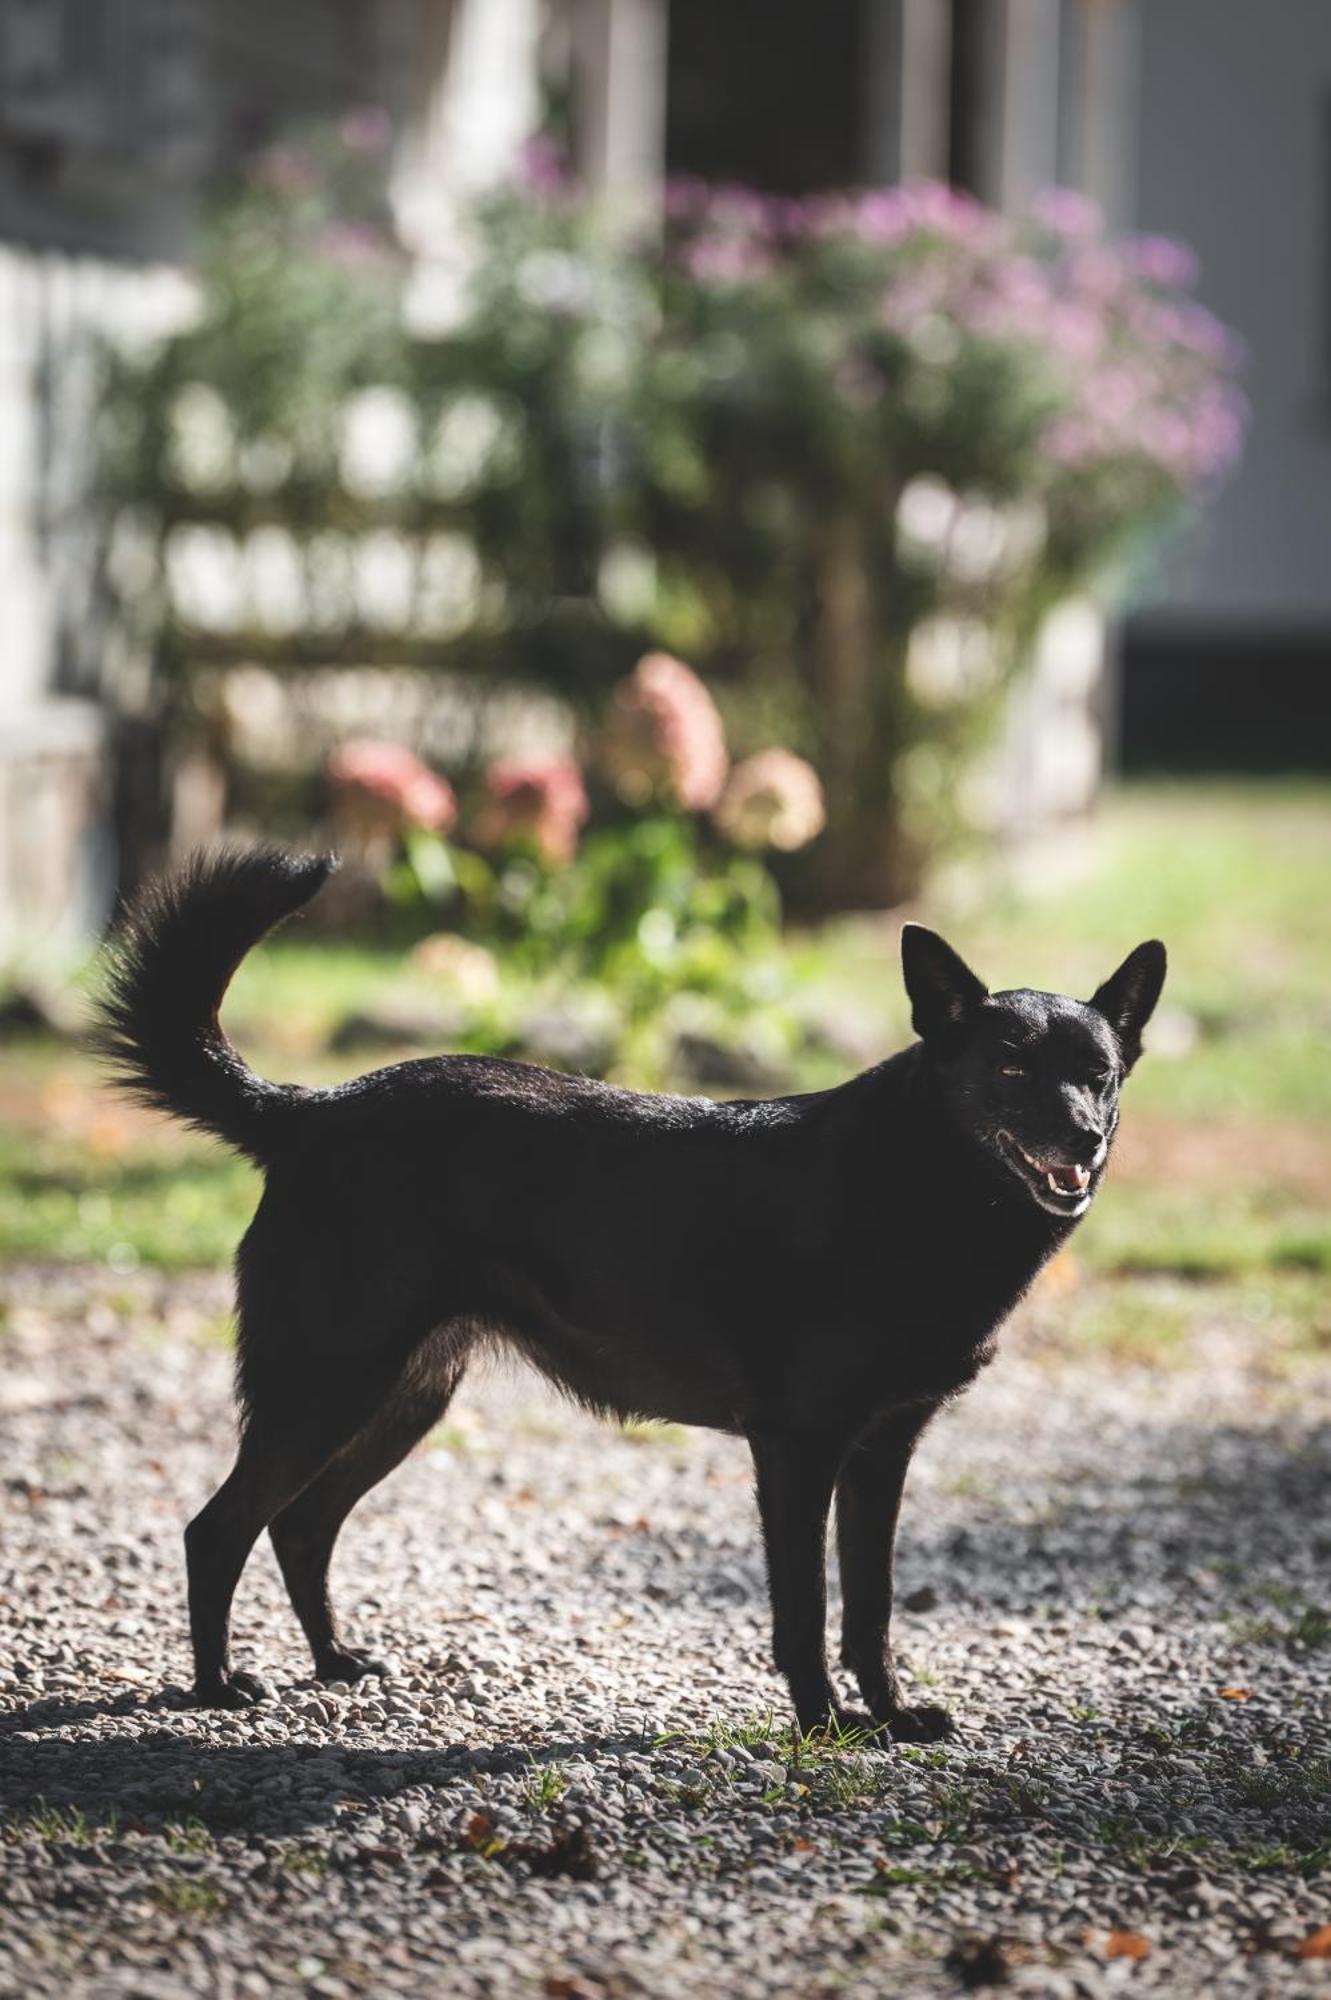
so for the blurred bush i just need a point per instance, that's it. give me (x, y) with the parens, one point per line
(636, 887)
(844, 453)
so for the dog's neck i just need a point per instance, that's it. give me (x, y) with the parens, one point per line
(908, 1132)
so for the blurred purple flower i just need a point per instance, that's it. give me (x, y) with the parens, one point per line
(1074, 331)
(686, 197)
(1067, 213)
(366, 128)
(726, 260)
(946, 212)
(1159, 260)
(352, 244)
(883, 215)
(543, 166)
(283, 170)
(738, 208)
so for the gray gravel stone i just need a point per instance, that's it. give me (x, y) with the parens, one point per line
(1098, 1567)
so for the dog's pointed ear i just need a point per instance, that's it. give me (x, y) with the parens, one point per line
(943, 990)
(1127, 998)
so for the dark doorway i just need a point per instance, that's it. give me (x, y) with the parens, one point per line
(769, 95)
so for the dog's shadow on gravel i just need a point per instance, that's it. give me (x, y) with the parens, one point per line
(1224, 1498)
(156, 1779)
(1240, 1503)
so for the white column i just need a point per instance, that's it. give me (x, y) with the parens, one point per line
(907, 90)
(619, 51)
(1030, 100)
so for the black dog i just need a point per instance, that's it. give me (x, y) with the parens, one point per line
(817, 1274)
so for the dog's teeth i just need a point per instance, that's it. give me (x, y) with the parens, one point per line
(1082, 1176)
(1052, 1179)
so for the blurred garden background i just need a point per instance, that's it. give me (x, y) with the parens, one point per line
(669, 490)
(662, 520)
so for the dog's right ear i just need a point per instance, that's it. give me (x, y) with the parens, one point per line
(943, 990)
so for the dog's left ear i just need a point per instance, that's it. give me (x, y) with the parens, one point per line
(1127, 998)
(942, 988)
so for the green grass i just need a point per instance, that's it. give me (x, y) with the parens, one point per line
(60, 1825)
(545, 1787)
(187, 1896)
(167, 1204)
(1235, 878)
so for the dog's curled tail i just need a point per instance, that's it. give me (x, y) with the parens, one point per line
(170, 963)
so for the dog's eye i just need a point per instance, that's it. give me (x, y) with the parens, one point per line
(1013, 1069)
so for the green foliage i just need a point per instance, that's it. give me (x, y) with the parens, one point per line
(644, 908)
(842, 454)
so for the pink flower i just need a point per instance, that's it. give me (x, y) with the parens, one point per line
(540, 798)
(352, 244)
(726, 260)
(1159, 260)
(381, 789)
(1067, 213)
(664, 737)
(283, 170)
(366, 128)
(773, 799)
(686, 198)
(543, 165)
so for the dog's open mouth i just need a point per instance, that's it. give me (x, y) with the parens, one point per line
(1062, 1189)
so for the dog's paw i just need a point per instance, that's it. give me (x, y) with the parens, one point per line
(346, 1665)
(919, 1725)
(231, 1691)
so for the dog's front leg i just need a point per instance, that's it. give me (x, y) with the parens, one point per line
(796, 1474)
(868, 1501)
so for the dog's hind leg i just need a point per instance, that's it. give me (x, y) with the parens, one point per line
(304, 1533)
(271, 1467)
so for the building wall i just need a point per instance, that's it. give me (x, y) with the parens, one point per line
(1235, 158)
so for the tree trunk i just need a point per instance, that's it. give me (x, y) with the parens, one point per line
(865, 863)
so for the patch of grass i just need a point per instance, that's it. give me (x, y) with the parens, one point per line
(191, 1837)
(546, 1786)
(1151, 1319)
(174, 1205)
(1148, 1851)
(452, 1437)
(653, 1431)
(751, 1732)
(60, 1825)
(1293, 1781)
(1308, 1627)
(1278, 1857)
(298, 1860)
(187, 1896)
(1199, 1231)
(1232, 877)
(890, 1875)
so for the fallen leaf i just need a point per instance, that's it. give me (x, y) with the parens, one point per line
(571, 1987)
(1316, 1946)
(1236, 1694)
(1126, 1944)
(480, 1829)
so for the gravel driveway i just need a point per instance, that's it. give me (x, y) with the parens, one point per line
(579, 1780)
